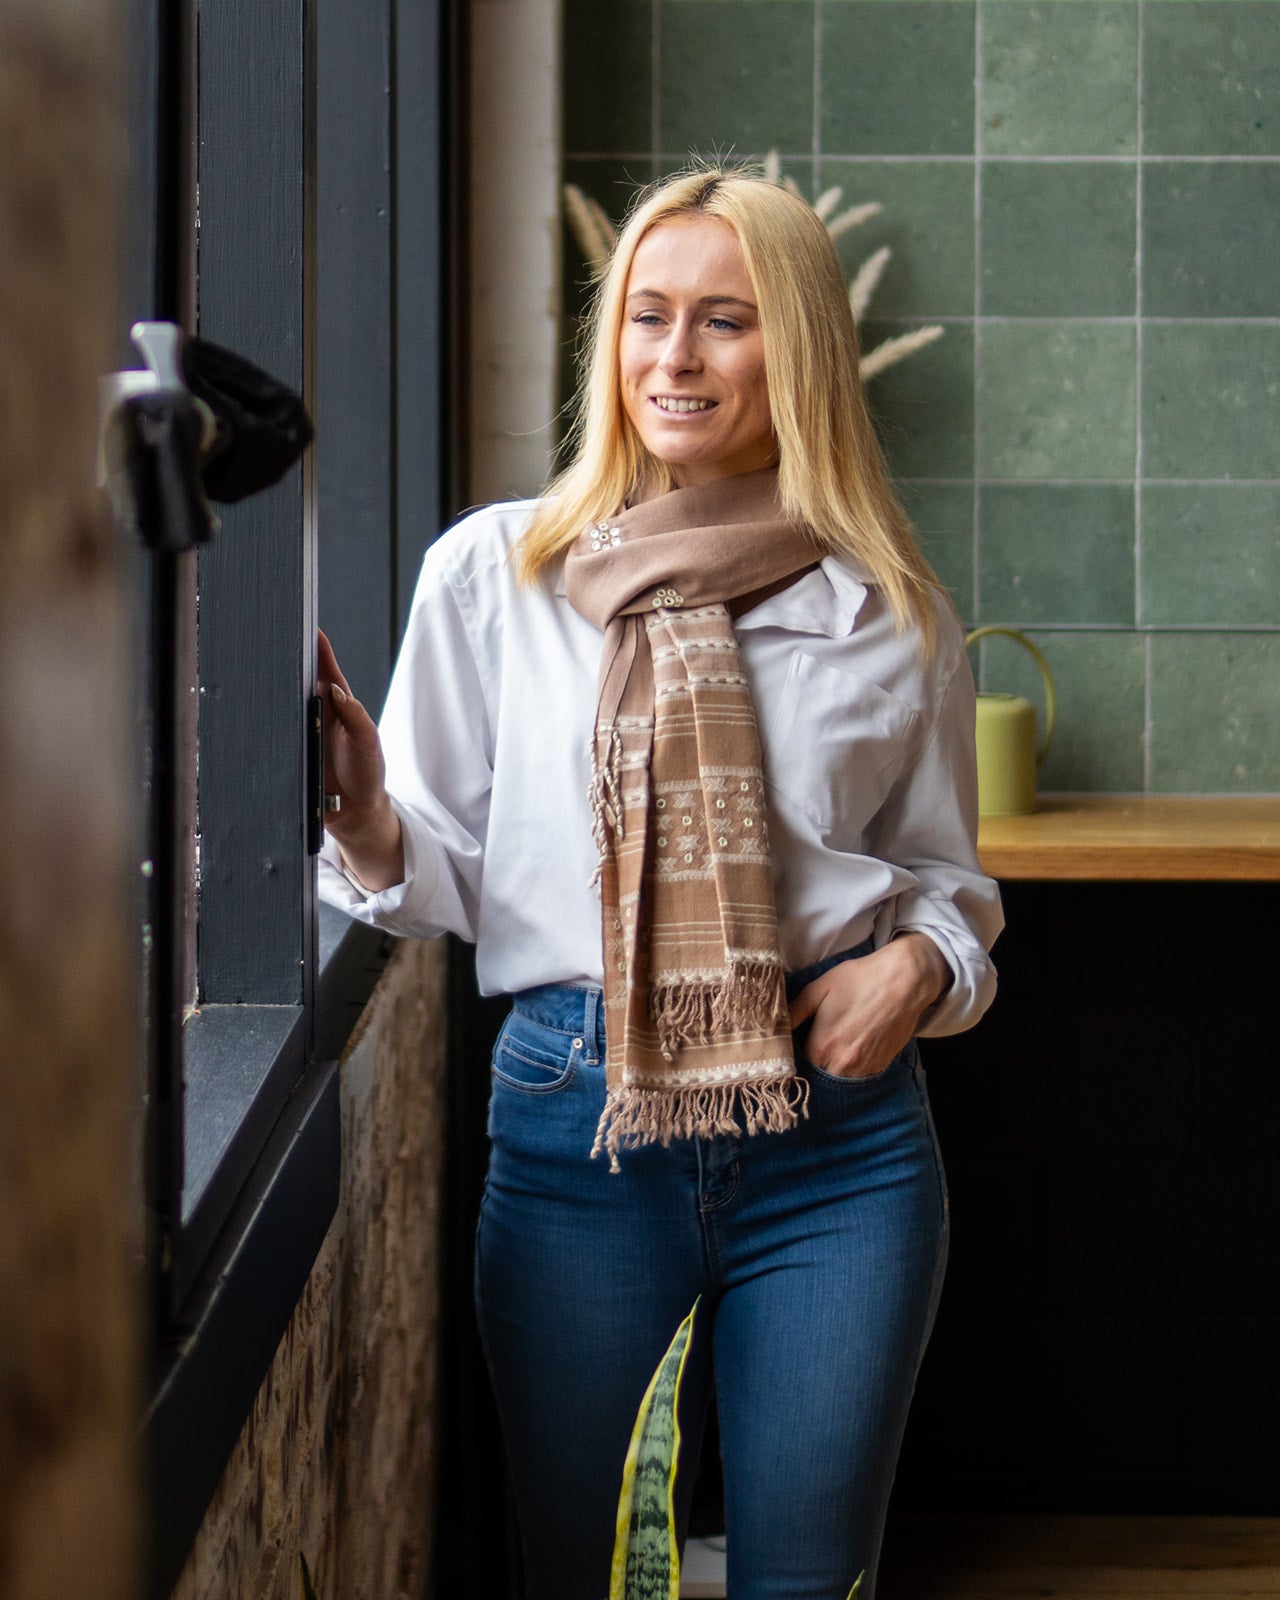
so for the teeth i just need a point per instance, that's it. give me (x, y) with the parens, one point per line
(665, 404)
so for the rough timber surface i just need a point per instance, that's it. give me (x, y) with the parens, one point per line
(336, 1460)
(71, 1341)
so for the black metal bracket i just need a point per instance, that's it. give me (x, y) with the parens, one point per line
(315, 774)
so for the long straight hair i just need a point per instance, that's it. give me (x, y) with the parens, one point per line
(831, 472)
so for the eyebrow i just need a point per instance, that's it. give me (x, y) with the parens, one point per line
(706, 300)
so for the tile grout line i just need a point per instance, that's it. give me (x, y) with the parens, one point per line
(977, 315)
(1150, 630)
(1146, 636)
(817, 94)
(1137, 486)
(939, 158)
(1097, 483)
(873, 158)
(655, 96)
(1102, 322)
(1137, 409)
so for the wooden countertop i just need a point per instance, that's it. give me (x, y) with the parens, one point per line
(1120, 836)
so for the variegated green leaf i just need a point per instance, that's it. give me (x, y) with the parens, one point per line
(305, 1591)
(857, 1587)
(646, 1561)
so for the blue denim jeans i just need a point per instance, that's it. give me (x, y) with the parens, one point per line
(818, 1254)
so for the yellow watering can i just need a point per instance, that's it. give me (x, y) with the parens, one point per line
(1007, 751)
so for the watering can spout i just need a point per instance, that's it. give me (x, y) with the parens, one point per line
(1008, 752)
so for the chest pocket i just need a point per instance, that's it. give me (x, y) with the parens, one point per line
(836, 745)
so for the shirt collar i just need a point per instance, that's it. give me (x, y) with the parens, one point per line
(825, 601)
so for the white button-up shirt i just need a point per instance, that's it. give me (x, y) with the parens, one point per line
(487, 735)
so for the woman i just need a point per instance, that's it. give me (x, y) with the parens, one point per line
(711, 672)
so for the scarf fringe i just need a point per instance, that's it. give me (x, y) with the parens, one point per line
(633, 1116)
(751, 996)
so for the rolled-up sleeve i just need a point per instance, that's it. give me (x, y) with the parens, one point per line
(436, 739)
(927, 827)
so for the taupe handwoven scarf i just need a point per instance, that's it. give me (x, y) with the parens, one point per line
(694, 993)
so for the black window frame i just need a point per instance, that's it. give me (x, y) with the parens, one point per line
(332, 260)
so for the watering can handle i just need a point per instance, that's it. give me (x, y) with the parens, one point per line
(1050, 697)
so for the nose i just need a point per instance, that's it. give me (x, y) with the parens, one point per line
(680, 350)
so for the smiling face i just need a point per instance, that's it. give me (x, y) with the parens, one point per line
(691, 353)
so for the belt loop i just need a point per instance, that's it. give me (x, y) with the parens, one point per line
(590, 1013)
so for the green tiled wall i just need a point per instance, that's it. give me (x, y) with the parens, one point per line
(1086, 194)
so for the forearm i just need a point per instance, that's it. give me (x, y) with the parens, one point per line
(371, 842)
(926, 971)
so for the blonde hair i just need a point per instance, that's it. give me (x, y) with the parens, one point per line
(831, 472)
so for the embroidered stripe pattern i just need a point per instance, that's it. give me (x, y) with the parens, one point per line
(695, 1000)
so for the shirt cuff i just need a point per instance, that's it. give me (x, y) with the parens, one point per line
(397, 909)
(973, 976)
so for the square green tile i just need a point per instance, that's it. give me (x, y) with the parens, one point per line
(1059, 79)
(923, 407)
(1056, 400)
(927, 223)
(897, 79)
(1056, 553)
(1100, 679)
(942, 515)
(1210, 239)
(1211, 78)
(736, 76)
(608, 75)
(1213, 713)
(1211, 401)
(1058, 239)
(1211, 554)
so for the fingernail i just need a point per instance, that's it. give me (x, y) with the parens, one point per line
(338, 694)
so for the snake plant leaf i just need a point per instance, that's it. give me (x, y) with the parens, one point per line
(646, 1561)
(857, 1587)
(305, 1590)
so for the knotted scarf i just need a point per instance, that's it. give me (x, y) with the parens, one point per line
(695, 1003)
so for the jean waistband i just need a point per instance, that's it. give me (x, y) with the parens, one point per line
(569, 1008)
(804, 975)
(578, 1010)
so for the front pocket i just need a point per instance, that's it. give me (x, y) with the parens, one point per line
(533, 1058)
(843, 1080)
(836, 745)
(906, 1058)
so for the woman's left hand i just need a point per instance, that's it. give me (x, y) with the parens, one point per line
(865, 1011)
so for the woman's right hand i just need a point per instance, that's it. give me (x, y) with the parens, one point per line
(365, 825)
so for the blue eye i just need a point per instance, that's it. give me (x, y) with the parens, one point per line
(725, 324)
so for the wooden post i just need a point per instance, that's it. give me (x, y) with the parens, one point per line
(69, 1330)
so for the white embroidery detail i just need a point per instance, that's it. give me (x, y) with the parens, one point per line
(603, 538)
